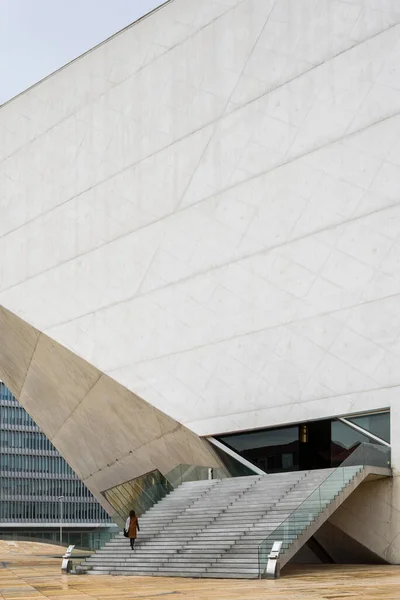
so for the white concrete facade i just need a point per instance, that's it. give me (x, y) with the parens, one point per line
(206, 208)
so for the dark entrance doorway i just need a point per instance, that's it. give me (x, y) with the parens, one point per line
(315, 445)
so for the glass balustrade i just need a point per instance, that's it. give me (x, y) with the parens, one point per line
(143, 492)
(319, 499)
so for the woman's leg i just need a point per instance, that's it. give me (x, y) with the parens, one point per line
(132, 542)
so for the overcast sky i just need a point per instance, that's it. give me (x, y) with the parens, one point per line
(39, 36)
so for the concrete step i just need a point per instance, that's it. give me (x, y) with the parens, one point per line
(214, 528)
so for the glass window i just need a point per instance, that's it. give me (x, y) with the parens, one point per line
(272, 450)
(376, 423)
(344, 440)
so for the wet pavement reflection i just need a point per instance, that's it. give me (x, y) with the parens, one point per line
(26, 576)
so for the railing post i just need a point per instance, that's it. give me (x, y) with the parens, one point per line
(66, 564)
(273, 564)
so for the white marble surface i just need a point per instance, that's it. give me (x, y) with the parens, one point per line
(207, 209)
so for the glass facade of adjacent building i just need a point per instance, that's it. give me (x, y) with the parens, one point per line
(34, 479)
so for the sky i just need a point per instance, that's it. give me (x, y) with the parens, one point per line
(38, 37)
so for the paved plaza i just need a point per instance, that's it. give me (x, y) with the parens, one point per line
(31, 574)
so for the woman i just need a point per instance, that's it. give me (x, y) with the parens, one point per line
(132, 527)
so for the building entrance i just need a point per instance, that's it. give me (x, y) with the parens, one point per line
(315, 445)
(312, 445)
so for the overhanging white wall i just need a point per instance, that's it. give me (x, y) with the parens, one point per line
(207, 209)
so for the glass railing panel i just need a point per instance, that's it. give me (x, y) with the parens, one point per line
(232, 466)
(174, 477)
(100, 536)
(220, 473)
(139, 494)
(143, 492)
(373, 455)
(185, 473)
(320, 498)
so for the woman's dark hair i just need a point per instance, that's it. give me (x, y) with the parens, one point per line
(132, 513)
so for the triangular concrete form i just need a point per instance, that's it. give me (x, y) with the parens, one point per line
(106, 433)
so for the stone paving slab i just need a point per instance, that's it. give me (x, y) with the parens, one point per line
(28, 577)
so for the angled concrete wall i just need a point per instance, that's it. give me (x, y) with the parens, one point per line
(108, 434)
(206, 208)
(371, 516)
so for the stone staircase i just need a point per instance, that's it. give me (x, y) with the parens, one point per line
(214, 528)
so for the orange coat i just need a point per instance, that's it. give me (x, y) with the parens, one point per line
(133, 527)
